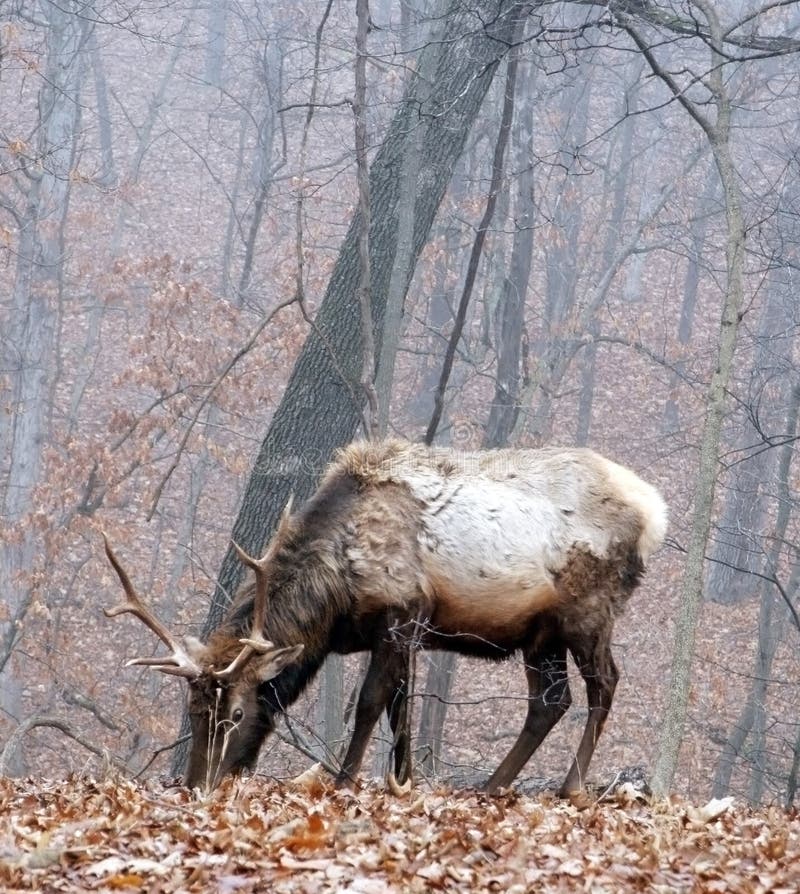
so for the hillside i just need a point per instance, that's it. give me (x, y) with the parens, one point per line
(253, 835)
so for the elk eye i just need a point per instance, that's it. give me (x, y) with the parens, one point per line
(237, 715)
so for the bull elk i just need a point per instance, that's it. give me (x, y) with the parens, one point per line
(405, 546)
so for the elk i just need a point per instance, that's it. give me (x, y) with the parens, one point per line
(403, 546)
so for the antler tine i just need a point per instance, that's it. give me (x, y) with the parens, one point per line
(283, 524)
(134, 605)
(179, 663)
(256, 643)
(241, 660)
(261, 567)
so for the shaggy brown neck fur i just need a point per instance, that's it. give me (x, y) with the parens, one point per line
(309, 591)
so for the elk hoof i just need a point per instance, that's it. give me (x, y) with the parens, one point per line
(398, 790)
(579, 798)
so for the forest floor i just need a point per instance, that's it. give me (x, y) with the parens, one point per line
(255, 835)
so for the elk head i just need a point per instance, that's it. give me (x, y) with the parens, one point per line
(229, 716)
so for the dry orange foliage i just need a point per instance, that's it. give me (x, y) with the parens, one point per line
(254, 835)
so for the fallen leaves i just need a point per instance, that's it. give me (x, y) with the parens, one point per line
(252, 835)
(710, 811)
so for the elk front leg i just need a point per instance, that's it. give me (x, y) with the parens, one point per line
(397, 711)
(548, 699)
(383, 679)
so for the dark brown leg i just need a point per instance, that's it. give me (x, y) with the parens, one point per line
(548, 699)
(397, 711)
(600, 675)
(385, 676)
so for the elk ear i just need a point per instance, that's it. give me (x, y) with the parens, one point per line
(270, 664)
(196, 650)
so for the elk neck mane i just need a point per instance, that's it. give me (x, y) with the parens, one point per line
(308, 590)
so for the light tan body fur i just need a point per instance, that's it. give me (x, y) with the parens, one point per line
(494, 528)
(404, 546)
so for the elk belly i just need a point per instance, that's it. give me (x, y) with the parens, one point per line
(487, 552)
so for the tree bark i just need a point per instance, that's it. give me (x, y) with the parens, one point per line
(719, 134)
(31, 333)
(321, 407)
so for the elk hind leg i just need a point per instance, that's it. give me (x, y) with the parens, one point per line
(600, 675)
(548, 699)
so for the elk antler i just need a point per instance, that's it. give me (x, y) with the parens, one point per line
(256, 643)
(180, 663)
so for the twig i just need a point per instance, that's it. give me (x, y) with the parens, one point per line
(158, 751)
(208, 395)
(14, 741)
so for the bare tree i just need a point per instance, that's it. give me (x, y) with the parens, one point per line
(717, 129)
(321, 407)
(43, 180)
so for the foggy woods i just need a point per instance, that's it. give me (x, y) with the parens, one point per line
(569, 223)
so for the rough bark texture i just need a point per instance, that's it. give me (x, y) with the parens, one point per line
(321, 407)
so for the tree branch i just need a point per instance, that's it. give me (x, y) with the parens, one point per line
(246, 347)
(14, 741)
(655, 14)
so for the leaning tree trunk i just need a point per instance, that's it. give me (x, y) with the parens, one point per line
(321, 407)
